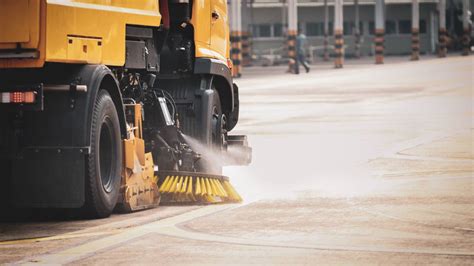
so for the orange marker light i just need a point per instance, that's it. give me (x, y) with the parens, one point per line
(29, 97)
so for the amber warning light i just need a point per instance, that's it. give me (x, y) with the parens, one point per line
(18, 97)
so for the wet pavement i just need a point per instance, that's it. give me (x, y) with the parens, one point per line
(363, 165)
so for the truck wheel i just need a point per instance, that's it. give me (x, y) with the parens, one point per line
(105, 159)
(211, 163)
(191, 112)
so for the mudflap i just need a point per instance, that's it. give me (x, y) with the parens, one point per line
(5, 180)
(48, 178)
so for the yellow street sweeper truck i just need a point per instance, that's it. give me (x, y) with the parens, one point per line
(116, 104)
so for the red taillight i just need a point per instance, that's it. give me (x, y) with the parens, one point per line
(18, 97)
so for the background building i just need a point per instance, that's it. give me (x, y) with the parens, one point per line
(266, 23)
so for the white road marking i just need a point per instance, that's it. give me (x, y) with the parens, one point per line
(429, 158)
(185, 234)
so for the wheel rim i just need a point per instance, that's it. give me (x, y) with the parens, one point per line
(223, 129)
(219, 131)
(105, 155)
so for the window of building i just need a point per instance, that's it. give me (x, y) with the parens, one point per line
(348, 27)
(264, 30)
(390, 27)
(331, 29)
(277, 30)
(371, 28)
(268, 30)
(361, 28)
(423, 26)
(254, 30)
(315, 29)
(404, 26)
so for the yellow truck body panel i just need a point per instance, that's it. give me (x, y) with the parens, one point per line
(72, 31)
(93, 31)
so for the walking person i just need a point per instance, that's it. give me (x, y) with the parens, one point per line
(300, 53)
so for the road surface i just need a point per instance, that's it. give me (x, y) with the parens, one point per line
(370, 164)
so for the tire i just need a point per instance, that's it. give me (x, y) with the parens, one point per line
(211, 164)
(191, 124)
(105, 159)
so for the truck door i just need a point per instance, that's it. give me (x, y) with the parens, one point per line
(219, 28)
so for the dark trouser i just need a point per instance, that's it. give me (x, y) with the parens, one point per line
(301, 60)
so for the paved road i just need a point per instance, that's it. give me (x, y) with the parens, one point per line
(363, 165)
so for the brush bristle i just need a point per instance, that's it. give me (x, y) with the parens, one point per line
(194, 189)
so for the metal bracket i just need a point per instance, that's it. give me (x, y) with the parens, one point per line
(72, 95)
(73, 89)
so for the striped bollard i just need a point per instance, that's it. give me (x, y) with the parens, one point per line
(379, 35)
(442, 50)
(235, 53)
(245, 44)
(338, 49)
(292, 51)
(415, 44)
